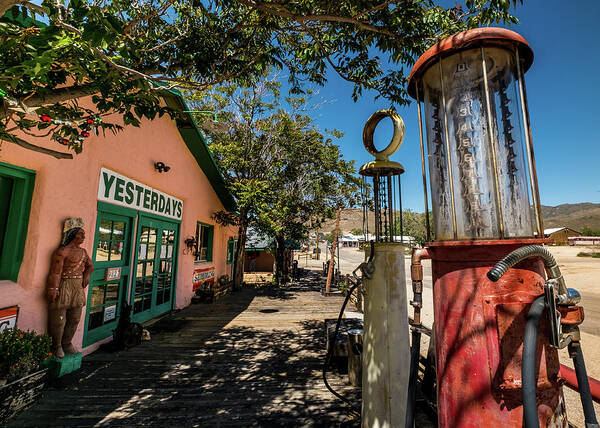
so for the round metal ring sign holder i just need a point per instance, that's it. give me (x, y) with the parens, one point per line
(387, 200)
(382, 165)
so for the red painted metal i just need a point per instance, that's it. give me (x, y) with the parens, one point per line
(568, 374)
(489, 36)
(479, 328)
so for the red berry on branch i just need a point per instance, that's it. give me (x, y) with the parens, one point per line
(45, 118)
(89, 121)
(85, 134)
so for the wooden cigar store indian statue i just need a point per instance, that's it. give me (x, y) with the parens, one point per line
(70, 272)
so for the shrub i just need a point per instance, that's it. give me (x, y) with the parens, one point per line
(587, 254)
(21, 352)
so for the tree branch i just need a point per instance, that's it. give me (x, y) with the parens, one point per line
(335, 67)
(376, 8)
(62, 94)
(281, 11)
(19, 142)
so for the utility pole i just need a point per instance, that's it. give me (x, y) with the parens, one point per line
(333, 245)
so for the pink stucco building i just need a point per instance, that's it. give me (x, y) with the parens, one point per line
(137, 220)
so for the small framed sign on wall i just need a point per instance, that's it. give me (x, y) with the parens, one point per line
(8, 317)
(112, 273)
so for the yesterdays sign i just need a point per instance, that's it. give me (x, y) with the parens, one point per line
(203, 277)
(120, 190)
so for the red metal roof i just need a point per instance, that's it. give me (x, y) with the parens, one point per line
(488, 35)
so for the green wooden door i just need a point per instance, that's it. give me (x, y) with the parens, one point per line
(153, 290)
(112, 248)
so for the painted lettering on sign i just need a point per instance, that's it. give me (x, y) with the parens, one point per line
(118, 189)
(8, 317)
(202, 277)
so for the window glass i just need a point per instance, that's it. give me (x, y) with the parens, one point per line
(204, 242)
(118, 229)
(116, 250)
(98, 295)
(112, 292)
(102, 251)
(105, 229)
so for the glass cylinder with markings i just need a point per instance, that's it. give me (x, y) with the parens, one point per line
(479, 155)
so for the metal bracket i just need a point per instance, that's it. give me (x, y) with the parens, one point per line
(555, 333)
(560, 338)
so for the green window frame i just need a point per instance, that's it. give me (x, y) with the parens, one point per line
(204, 242)
(230, 251)
(16, 187)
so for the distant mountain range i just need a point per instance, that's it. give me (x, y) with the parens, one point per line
(575, 216)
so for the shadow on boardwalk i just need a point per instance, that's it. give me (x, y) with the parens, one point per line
(251, 359)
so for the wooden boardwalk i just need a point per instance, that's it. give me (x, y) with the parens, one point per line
(252, 359)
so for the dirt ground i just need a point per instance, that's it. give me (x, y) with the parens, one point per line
(580, 273)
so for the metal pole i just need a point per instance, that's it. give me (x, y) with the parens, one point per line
(400, 207)
(493, 143)
(535, 196)
(451, 176)
(427, 226)
(390, 207)
(376, 207)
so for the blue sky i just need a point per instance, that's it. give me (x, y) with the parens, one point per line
(563, 88)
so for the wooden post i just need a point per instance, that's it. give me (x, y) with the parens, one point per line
(333, 246)
(318, 255)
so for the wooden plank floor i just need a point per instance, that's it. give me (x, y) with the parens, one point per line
(225, 364)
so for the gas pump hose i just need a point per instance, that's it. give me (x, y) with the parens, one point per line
(330, 353)
(528, 372)
(367, 270)
(523, 253)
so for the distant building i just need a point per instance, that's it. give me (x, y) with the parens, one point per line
(584, 240)
(560, 235)
(260, 252)
(408, 240)
(349, 241)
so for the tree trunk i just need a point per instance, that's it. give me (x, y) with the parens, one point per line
(333, 246)
(238, 262)
(280, 268)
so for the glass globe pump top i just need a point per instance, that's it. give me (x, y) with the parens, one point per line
(387, 199)
(480, 156)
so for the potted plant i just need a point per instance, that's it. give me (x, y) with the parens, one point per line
(21, 379)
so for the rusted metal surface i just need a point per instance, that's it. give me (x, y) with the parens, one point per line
(488, 36)
(479, 328)
(571, 315)
(570, 378)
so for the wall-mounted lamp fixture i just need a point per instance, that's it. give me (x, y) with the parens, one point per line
(190, 244)
(161, 167)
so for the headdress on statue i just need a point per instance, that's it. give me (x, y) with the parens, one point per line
(70, 229)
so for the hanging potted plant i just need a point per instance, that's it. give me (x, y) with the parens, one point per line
(21, 379)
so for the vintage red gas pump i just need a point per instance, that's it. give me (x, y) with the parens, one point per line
(485, 204)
